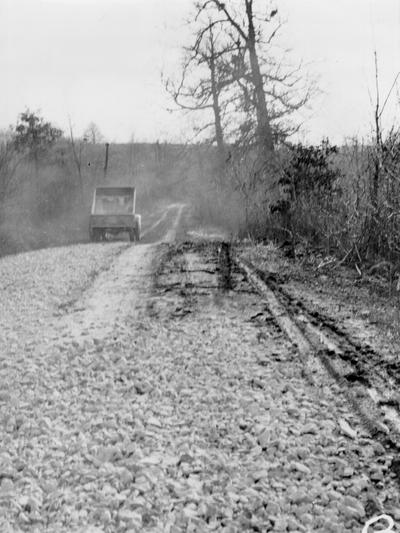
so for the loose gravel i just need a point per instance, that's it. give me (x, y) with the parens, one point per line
(172, 421)
(34, 286)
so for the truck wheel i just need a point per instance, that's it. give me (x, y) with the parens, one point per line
(97, 235)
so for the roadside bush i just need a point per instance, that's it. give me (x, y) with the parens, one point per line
(345, 201)
(310, 201)
(310, 172)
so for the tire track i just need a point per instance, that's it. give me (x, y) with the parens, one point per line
(322, 348)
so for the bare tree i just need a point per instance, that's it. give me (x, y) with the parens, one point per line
(269, 88)
(92, 134)
(248, 38)
(202, 83)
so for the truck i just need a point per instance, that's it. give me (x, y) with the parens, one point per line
(113, 212)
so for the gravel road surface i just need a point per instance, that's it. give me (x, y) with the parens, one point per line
(139, 393)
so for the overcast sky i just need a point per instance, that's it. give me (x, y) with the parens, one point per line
(101, 61)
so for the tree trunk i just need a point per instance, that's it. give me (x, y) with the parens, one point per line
(375, 184)
(376, 172)
(106, 161)
(219, 136)
(264, 131)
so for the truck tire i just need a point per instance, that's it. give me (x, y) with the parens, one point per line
(97, 235)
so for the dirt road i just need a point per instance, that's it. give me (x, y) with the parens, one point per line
(145, 388)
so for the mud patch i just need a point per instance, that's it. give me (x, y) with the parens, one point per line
(193, 273)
